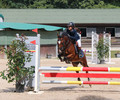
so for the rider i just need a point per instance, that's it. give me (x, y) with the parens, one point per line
(72, 33)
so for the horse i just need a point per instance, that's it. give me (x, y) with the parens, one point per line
(67, 52)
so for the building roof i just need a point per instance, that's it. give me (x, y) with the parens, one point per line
(61, 15)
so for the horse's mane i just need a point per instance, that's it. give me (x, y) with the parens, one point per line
(65, 35)
(62, 34)
(77, 29)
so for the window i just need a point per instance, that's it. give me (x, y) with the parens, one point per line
(89, 31)
(110, 30)
(83, 31)
(117, 32)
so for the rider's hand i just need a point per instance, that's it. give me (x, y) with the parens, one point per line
(68, 35)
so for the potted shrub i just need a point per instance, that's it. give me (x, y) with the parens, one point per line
(102, 50)
(16, 72)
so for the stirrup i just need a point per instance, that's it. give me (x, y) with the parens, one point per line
(81, 54)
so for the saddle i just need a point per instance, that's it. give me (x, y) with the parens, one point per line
(80, 53)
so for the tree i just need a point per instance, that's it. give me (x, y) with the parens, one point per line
(17, 3)
(102, 48)
(84, 4)
(41, 4)
(16, 72)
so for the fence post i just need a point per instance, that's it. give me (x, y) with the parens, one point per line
(107, 39)
(37, 75)
(95, 39)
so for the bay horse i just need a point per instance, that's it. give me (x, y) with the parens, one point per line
(67, 53)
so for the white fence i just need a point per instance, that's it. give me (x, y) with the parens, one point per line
(95, 39)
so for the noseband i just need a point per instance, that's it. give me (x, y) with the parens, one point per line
(65, 45)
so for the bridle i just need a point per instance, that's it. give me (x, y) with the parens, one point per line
(65, 44)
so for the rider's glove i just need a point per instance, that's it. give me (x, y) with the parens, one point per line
(69, 36)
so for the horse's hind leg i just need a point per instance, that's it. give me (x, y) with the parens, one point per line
(75, 64)
(87, 72)
(85, 65)
(78, 77)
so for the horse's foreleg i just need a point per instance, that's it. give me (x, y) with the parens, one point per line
(59, 56)
(67, 58)
(70, 57)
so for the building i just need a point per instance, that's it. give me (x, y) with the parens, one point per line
(88, 20)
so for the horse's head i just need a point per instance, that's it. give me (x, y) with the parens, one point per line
(61, 42)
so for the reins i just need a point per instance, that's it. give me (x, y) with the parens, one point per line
(66, 45)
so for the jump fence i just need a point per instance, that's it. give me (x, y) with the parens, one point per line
(106, 69)
(42, 70)
(82, 82)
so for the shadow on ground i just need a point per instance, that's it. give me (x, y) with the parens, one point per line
(74, 88)
(92, 97)
(7, 90)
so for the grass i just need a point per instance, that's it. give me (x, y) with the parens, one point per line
(113, 53)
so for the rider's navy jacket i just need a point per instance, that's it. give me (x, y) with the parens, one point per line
(73, 34)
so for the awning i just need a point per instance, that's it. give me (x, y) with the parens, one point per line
(1, 16)
(25, 26)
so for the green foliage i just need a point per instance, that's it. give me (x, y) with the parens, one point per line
(113, 53)
(41, 4)
(16, 3)
(82, 4)
(16, 60)
(102, 49)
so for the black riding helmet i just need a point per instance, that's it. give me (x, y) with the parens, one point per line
(71, 24)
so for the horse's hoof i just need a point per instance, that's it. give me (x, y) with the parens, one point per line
(81, 86)
(68, 62)
(61, 60)
(90, 85)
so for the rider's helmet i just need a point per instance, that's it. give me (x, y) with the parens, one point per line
(71, 24)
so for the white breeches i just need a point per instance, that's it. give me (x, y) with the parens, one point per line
(79, 43)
